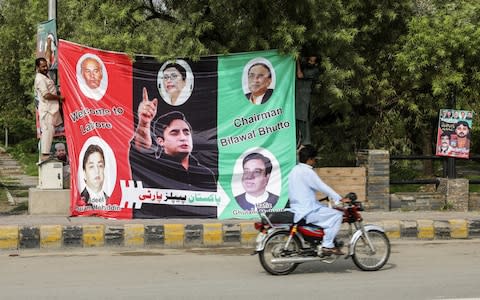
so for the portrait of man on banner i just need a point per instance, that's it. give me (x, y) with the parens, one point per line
(92, 76)
(258, 80)
(454, 133)
(256, 180)
(174, 143)
(257, 169)
(96, 173)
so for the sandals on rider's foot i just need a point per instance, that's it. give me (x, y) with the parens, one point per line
(330, 251)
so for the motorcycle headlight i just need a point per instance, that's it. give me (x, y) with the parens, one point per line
(359, 206)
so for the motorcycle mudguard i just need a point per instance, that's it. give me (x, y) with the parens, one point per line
(358, 234)
(263, 237)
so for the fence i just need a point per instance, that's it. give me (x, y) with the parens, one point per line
(449, 192)
(449, 169)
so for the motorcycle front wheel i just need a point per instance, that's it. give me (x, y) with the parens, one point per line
(275, 248)
(368, 259)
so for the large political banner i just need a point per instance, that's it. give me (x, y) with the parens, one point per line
(149, 139)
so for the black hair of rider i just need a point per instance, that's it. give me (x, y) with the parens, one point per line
(266, 161)
(307, 152)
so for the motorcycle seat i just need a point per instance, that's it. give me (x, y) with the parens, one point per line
(304, 223)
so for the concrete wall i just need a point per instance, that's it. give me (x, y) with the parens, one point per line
(417, 201)
(49, 202)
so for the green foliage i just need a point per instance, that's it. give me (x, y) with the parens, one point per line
(387, 67)
(26, 153)
(437, 60)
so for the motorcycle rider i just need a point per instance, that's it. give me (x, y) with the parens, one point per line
(303, 183)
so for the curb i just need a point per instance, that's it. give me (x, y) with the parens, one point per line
(127, 235)
(13, 237)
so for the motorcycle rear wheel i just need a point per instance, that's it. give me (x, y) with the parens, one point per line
(364, 258)
(274, 248)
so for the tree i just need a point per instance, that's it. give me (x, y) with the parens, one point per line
(438, 59)
(387, 66)
(17, 68)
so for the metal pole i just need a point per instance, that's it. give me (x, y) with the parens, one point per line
(451, 167)
(52, 9)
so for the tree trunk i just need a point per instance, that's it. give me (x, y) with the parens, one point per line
(427, 150)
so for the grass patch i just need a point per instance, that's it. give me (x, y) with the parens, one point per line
(19, 193)
(3, 199)
(20, 208)
(6, 208)
(29, 163)
(474, 188)
(27, 156)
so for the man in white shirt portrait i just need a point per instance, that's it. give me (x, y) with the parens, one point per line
(94, 171)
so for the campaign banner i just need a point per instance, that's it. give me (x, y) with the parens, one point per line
(256, 137)
(173, 151)
(98, 118)
(454, 131)
(47, 42)
(47, 39)
(180, 138)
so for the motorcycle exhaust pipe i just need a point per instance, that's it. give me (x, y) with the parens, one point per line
(295, 260)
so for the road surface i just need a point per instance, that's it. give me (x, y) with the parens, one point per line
(416, 270)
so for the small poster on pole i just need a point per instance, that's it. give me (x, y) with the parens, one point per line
(46, 47)
(454, 130)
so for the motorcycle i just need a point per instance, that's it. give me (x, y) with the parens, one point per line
(282, 244)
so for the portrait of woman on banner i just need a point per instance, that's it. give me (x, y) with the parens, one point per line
(175, 82)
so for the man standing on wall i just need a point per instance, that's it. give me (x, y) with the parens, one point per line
(48, 106)
(307, 74)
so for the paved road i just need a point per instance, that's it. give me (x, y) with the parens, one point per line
(416, 270)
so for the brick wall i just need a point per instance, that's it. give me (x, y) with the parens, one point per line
(344, 180)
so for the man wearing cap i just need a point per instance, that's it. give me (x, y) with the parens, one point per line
(61, 154)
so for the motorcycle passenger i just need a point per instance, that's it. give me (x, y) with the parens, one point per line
(303, 183)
